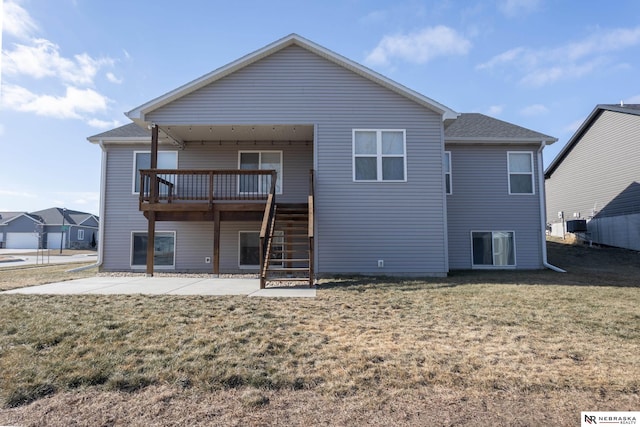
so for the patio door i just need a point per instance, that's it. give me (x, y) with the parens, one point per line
(260, 160)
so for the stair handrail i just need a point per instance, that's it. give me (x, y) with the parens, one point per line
(266, 231)
(311, 230)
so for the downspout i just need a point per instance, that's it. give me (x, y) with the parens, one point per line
(103, 187)
(543, 213)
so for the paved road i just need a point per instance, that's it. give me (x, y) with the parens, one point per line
(16, 257)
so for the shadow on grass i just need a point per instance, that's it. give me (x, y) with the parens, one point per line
(585, 266)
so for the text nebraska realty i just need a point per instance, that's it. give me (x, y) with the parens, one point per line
(610, 419)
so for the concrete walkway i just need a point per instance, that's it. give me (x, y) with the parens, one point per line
(164, 286)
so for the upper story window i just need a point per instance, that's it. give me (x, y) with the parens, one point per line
(260, 160)
(142, 160)
(379, 155)
(520, 166)
(447, 171)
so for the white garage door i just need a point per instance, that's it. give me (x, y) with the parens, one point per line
(53, 240)
(22, 241)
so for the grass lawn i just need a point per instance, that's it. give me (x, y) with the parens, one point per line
(29, 275)
(476, 348)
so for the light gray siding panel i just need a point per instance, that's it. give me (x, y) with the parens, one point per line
(22, 224)
(297, 161)
(229, 244)
(122, 215)
(481, 202)
(91, 222)
(357, 223)
(600, 179)
(194, 240)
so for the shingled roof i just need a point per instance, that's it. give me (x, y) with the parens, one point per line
(53, 216)
(478, 127)
(130, 130)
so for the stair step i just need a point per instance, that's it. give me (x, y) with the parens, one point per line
(298, 230)
(289, 279)
(287, 260)
(288, 269)
(290, 244)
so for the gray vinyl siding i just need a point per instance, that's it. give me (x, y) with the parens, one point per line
(230, 245)
(22, 224)
(91, 222)
(600, 176)
(122, 214)
(357, 223)
(194, 240)
(481, 202)
(75, 243)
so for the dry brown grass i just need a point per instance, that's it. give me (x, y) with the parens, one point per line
(19, 277)
(480, 348)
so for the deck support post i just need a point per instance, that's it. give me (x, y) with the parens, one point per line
(151, 229)
(151, 237)
(216, 241)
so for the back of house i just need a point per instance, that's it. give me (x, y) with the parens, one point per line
(294, 159)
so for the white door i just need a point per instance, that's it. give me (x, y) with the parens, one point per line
(22, 241)
(53, 240)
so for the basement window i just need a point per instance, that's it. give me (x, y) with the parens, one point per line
(493, 249)
(163, 252)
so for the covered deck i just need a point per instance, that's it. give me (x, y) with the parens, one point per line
(231, 195)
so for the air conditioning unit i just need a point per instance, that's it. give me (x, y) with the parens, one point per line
(576, 226)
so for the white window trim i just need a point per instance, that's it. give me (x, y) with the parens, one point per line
(533, 184)
(450, 173)
(494, 267)
(252, 267)
(80, 234)
(379, 156)
(157, 267)
(281, 175)
(135, 171)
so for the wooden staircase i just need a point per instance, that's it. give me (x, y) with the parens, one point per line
(289, 247)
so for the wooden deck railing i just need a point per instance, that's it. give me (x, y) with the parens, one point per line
(180, 185)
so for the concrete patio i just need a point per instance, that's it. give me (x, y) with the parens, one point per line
(165, 286)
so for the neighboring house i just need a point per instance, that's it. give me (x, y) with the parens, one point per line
(19, 230)
(48, 230)
(296, 160)
(69, 228)
(596, 178)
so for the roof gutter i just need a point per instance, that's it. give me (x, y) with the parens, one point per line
(543, 213)
(103, 187)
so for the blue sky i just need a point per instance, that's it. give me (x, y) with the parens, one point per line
(71, 68)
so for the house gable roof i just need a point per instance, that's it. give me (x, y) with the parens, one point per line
(475, 127)
(53, 216)
(7, 217)
(595, 114)
(138, 114)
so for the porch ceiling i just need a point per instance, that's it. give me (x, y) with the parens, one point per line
(186, 133)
